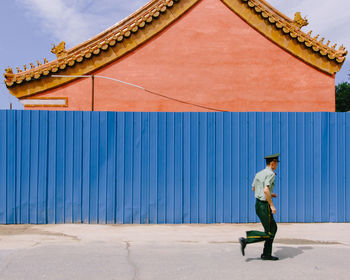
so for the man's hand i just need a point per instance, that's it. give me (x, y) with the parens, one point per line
(268, 196)
(274, 195)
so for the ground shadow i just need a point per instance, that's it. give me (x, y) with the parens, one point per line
(285, 252)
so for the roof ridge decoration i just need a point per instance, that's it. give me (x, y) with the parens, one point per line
(143, 18)
(293, 29)
(103, 41)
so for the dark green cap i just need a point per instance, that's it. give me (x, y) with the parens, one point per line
(272, 157)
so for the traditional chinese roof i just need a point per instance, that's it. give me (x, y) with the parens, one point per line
(153, 18)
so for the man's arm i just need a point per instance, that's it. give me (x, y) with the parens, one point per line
(269, 199)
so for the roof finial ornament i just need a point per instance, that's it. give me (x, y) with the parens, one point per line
(38, 63)
(45, 60)
(9, 70)
(9, 74)
(322, 39)
(343, 50)
(299, 21)
(18, 70)
(334, 46)
(309, 33)
(32, 66)
(59, 50)
(316, 38)
(25, 67)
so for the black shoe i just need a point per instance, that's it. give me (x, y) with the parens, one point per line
(243, 243)
(269, 258)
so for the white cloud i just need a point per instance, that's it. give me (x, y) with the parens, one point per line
(329, 18)
(74, 21)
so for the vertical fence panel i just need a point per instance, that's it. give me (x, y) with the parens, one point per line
(211, 200)
(194, 167)
(3, 167)
(325, 186)
(243, 163)
(102, 168)
(43, 168)
(178, 168)
(317, 160)
(86, 145)
(292, 188)
(60, 168)
(94, 168)
(68, 186)
(77, 167)
(128, 161)
(153, 170)
(253, 140)
(227, 177)
(99, 167)
(219, 154)
(333, 159)
(194, 155)
(11, 168)
(18, 146)
(24, 150)
(120, 169)
(308, 171)
(276, 147)
(111, 167)
(202, 169)
(187, 169)
(283, 173)
(235, 170)
(347, 167)
(300, 167)
(170, 151)
(136, 169)
(34, 160)
(51, 168)
(161, 170)
(341, 168)
(145, 171)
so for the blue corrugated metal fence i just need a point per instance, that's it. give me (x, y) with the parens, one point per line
(107, 167)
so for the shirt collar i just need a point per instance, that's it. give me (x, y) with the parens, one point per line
(269, 168)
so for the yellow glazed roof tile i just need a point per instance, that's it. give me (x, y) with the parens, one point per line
(141, 21)
(292, 28)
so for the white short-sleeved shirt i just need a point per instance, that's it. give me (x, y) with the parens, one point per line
(265, 177)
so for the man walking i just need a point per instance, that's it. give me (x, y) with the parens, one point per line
(263, 186)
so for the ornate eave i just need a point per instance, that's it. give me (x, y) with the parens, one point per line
(153, 18)
(287, 33)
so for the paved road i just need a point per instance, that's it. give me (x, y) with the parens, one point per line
(306, 251)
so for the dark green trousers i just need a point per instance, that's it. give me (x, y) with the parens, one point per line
(265, 215)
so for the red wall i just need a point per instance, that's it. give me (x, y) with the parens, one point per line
(210, 57)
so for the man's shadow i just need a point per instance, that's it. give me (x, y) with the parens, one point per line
(285, 252)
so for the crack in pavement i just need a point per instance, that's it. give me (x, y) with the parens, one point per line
(132, 264)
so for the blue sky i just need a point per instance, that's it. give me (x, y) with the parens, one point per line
(30, 27)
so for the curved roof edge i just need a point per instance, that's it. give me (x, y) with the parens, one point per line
(152, 18)
(279, 27)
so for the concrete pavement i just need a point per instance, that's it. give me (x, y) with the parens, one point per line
(306, 251)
